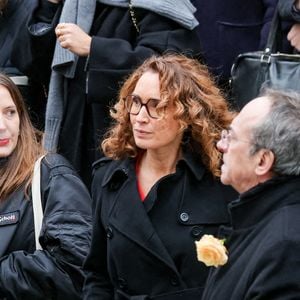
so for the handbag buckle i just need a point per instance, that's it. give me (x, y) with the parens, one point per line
(266, 56)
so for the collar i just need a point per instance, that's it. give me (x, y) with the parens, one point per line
(125, 168)
(262, 200)
(3, 161)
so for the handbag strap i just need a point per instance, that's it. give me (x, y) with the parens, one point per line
(273, 36)
(37, 201)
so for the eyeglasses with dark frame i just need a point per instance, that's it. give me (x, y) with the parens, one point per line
(134, 105)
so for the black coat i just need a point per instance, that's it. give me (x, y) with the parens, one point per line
(147, 248)
(264, 246)
(55, 272)
(116, 50)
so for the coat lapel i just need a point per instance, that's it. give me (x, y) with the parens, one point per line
(130, 217)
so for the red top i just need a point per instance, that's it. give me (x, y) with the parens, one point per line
(137, 171)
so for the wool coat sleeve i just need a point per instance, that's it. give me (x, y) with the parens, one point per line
(34, 44)
(56, 271)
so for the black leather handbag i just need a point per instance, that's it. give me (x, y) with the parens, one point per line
(253, 71)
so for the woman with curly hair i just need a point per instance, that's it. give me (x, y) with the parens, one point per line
(52, 267)
(157, 190)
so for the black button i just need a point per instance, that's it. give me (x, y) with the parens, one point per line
(174, 281)
(109, 232)
(196, 231)
(184, 217)
(122, 283)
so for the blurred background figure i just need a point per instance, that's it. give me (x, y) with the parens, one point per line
(157, 190)
(12, 15)
(230, 27)
(55, 271)
(97, 43)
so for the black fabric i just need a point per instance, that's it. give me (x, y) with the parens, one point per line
(147, 249)
(263, 246)
(55, 272)
(115, 51)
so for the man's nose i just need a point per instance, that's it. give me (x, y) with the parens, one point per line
(222, 145)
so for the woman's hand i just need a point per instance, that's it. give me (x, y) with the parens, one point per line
(294, 36)
(73, 38)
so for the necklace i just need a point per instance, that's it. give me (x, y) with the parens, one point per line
(133, 17)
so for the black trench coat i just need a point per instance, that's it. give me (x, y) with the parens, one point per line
(147, 249)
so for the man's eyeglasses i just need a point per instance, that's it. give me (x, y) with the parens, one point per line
(134, 104)
(227, 138)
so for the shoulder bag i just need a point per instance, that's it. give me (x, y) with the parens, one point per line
(253, 71)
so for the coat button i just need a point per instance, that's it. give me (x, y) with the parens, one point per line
(174, 281)
(184, 217)
(109, 232)
(196, 231)
(122, 283)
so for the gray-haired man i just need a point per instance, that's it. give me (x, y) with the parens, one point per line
(261, 160)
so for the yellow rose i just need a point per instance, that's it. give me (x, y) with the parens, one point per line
(211, 251)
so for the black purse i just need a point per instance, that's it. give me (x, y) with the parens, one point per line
(253, 71)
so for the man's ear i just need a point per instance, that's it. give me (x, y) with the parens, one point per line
(265, 163)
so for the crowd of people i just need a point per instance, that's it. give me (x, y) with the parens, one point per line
(125, 104)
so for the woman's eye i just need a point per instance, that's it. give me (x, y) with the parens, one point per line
(11, 112)
(153, 103)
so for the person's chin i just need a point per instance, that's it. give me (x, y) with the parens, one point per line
(224, 177)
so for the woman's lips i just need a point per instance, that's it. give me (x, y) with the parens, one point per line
(139, 132)
(4, 142)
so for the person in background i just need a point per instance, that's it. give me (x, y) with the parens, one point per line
(261, 160)
(228, 28)
(54, 272)
(290, 10)
(12, 15)
(97, 44)
(157, 189)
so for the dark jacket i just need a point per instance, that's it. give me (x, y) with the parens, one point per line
(116, 50)
(264, 246)
(14, 14)
(230, 27)
(146, 249)
(55, 272)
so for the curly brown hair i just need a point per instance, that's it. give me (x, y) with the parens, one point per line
(18, 170)
(201, 109)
